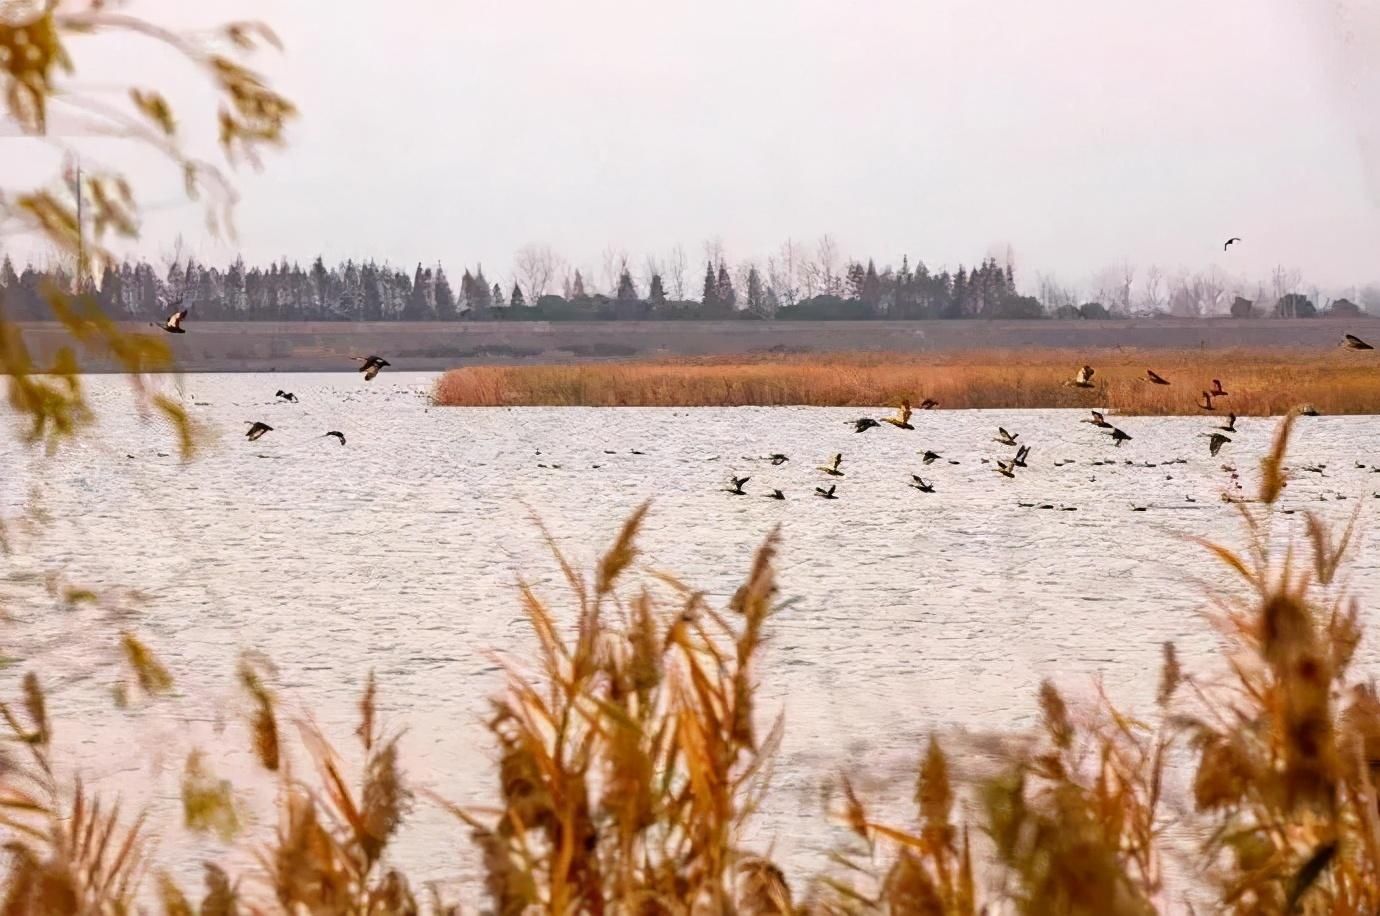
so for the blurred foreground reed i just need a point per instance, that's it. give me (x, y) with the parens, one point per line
(1260, 382)
(631, 755)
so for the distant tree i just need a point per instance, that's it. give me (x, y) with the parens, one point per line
(627, 292)
(483, 293)
(497, 297)
(418, 306)
(710, 297)
(855, 277)
(1344, 308)
(516, 301)
(320, 286)
(656, 293)
(723, 289)
(1242, 308)
(372, 280)
(1023, 308)
(577, 287)
(756, 295)
(1295, 305)
(1067, 313)
(871, 290)
(1093, 311)
(443, 296)
(111, 295)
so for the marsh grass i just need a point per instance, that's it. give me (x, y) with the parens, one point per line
(632, 755)
(1260, 382)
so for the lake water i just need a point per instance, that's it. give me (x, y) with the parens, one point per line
(399, 552)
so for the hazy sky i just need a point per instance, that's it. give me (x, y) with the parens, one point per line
(1078, 132)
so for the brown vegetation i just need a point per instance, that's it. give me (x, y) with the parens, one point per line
(1259, 382)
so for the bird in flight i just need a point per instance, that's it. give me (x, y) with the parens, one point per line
(1118, 437)
(778, 459)
(1006, 469)
(930, 457)
(286, 396)
(1005, 438)
(256, 430)
(776, 494)
(1217, 390)
(1205, 401)
(1215, 443)
(174, 323)
(1021, 454)
(863, 424)
(832, 469)
(1084, 377)
(338, 434)
(1098, 420)
(829, 493)
(1231, 241)
(1154, 377)
(921, 484)
(1230, 426)
(902, 421)
(737, 488)
(1352, 342)
(371, 366)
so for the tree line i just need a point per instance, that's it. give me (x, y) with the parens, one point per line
(789, 288)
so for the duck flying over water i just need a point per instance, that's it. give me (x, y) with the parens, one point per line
(337, 434)
(371, 365)
(1155, 378)
(737, 488)
(1006, 468)
(903, 420)
(1021, 454)
(256, 430)
(776, 494)
(1217, 390)
(1352, 342)
(286, 396)
(1005, 438)
(1084, 377)
(1215, 442)
(1098, 420)
(832, 469)
(921, 484)
(1205, 401)
(1119, 437)
(930, 457)
(827, 494)
(174, 323)
(863, 424)
(928, 404)
(1230, 425)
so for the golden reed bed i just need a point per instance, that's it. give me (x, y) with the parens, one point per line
(1260, 382)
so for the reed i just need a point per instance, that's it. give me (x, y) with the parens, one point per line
(1260, 382)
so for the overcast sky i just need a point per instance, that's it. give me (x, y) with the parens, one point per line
(1080, 133)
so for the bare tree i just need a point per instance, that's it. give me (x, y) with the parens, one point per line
(1283, 282)
(1183, 296)
(823, 274)
(1054, 295)
(714, 251)
(1152, 290)
(651, 267)
(675, 273)
(615, 261)
(783, 273)
(536, 265)
(1211, 289)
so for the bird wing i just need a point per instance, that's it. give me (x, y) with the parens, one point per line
(176, 320)
(838, 460)
(905, 412)
(1085, 375)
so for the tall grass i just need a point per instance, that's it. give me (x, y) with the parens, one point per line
(1260, 382)
(632, 755)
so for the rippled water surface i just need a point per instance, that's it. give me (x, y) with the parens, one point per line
(399, 552)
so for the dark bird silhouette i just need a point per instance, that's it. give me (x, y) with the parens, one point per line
(832, 469)
(1119, 437)
(1217, 390)
(1352, 342)
(928, 404)
(372, 365)
(1205, 401)
(286, 396)
(1154, 377)
(863, 424)
(1006, 468)
(921, 484)
(903, 420)
(1308, 410)
(1230, 426)
(1021, 454)
(1098, 420)
(737, 488)
(930, 457)
(256, 430)
(1006, 438)
(338, 434)
(776, 494)
(1215, 443)
(778, 459)
(827, 494)
(1084, 377)
(1231, 241)
(174, 323)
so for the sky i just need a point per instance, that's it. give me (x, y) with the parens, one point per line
(1076, 134)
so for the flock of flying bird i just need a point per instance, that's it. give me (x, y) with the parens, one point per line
(1216, 438)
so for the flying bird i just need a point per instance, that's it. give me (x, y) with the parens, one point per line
(778, 459)
(1119, 437)
(930, 457)
(1021, 454)
(1217, 390)
(737, 488)
(902, 421)
(1098, 420)
(863, 424)
(338, 434)
(776, 494)
(1205, 401)
(174, 323)
(1006, 469)
(827, 494)
(1352, 342)
(1215, 443)
(921, 484)
(371, 366)
(256, 430)
(286, 396)
(1154, 377)
(1230, 426)
(1084, 377)
(928, 404)
(1005, 438)
(832, 469)
(1230, 242)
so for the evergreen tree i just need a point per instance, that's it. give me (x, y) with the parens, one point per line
(577, 287)
(723, 289)
(483, 293)
(320, 287)
(8, 278)
(445, 299)
(498, 297)
(710, 298)
(756, 296)
(417, 308)
(627, 292)
(871, 289)
(110, 294)
(351, 304)
(467, 297)
(856, 278)
(516, 300)
(656, 293)
(371, 281)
